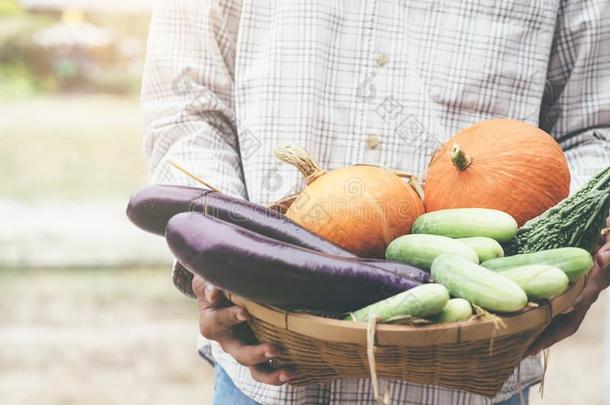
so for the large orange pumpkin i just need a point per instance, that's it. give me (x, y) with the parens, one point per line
(360, 208)
(504, 164)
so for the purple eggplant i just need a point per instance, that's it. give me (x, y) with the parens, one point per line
(277, 273)
(151, 208)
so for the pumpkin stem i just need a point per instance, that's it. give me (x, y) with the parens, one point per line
(459, 158)
(299, 158)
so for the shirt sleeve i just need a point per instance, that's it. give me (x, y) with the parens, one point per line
(576, 101)
(188, 99)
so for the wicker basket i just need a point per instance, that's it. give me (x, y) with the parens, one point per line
(476, 356)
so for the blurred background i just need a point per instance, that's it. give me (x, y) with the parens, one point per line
(87, 309)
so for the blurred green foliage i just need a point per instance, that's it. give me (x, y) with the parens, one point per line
(24, 70)
(27, 68)
(16, 35)
(10, 7)
(17, 81)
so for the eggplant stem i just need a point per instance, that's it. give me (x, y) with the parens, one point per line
(194, 177)
(460, 158)
(299, 158)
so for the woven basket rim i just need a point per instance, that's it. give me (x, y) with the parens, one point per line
(335, 330)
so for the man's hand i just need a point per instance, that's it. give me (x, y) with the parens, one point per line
(223, 322)
(567, 324)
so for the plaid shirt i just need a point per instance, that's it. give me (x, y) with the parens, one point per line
(355, 81)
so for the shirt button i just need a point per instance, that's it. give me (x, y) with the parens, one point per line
(372, 141)
(381, 59)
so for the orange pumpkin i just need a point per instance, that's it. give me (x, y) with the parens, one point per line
(360, 208)
(504, 164)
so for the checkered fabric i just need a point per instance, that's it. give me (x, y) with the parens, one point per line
(364, 81)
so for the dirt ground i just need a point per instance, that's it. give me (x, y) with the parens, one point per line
(98, 337)
(101, 336)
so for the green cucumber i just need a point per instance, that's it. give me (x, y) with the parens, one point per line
(422, 301)
(477, 284)
(539, 281)
(421, 250)
(486, 248)
(575, 262)
(457, 309)
(467, 222)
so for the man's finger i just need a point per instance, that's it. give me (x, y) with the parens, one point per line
(606, 232)
(206, 292)
(602, 257)
(217, 322)
(568, 323)
(561, 327)
(248, 355)
(198, 285)
(598, 279)
(266, 374)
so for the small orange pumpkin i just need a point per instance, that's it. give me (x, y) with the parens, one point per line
(360, 208)
(504, 164)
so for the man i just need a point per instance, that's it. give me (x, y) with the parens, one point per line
(354, 81)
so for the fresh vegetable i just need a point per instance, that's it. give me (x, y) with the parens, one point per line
(486, 248)
(575, 262)
(477, 284)
(577, 221)
(502, 164)
(278, 273)
(153, 206)
(539, 281)
(467, 222)
(456, 309)
(421, 250)
(391, 266)
(360, 208)
(419, 302)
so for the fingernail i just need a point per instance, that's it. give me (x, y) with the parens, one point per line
(209, 290)
(284, 378)
(270, 355)
(242, 316)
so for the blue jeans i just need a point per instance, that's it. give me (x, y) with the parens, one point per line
(606, 386)
(515, 400)
(225, 392)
